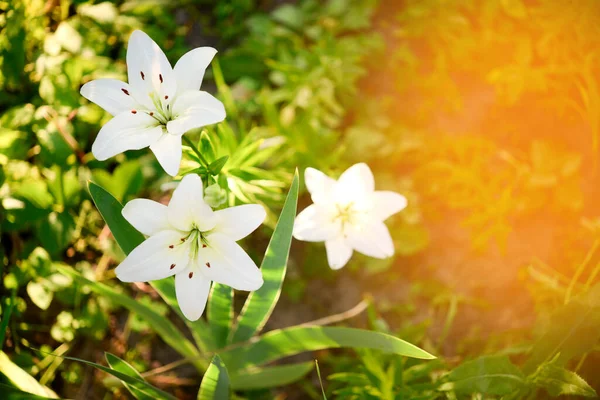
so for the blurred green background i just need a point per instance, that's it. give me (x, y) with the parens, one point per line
(485, 114)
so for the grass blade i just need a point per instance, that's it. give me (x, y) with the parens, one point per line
(320, 380)
(260, 304)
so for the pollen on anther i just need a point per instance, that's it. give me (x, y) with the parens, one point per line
(160, 77)
(190, 275)
(172, 266)
(203, 245)
(142, 74)
(171, 246)
(151, 113)
(166, 97)
(182, 239)
(208, 264)
(125, 91)
(133, 112)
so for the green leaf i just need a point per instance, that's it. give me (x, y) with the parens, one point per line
(103, 13)
(559, 381)
(138, 390)
(161, 325)
(127, 179)
(494, 375)
(126, 235)
(269, 377)
(260, 304)
(140, 384)
(215, 383)
(13, 393)
(573, 330)
(206, 145)
(216, 166)
(21, 379)
(56, 231)
(220, 312)
(286, 342)
(128, 239)
(40, 294)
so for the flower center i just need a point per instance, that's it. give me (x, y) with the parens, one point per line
(163, 112)
(162, 108)
(345, 215)
(196, 240)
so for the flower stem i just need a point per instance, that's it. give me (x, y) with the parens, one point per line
(195, 149)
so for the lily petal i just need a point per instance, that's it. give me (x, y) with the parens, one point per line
(314, 224)
(111, 94)
(358, 178)
(126, 131)
(189, 69)
(373, 240)
(193, 109)
(149, 70)
(238, 222)
(155, 258)
(318, 184)
(187, 207)
(192, 291)
(386, 204)
(338, 252)
(147, 216)
(167, 150)
(229, 264)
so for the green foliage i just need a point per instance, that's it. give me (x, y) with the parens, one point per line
(268, 377)
(479, 111)
(260, 304)
(494, 375)
(286, 342)
(558, 381)
(215, 383)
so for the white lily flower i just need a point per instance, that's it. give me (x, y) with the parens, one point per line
(157, 106)
(348, 215)
(191, 241)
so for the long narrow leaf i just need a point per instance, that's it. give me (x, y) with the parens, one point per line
(123, 366)
(260, 304)
(286, 342)
(126, 235)
(215, 383)
(22, 380)
(12, 393)
(128, 239)
(161, 325)
(269, 377)
(138, 383)
(220, 313)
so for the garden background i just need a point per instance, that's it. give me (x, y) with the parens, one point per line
(485, 114)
